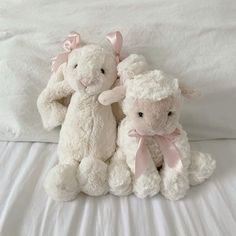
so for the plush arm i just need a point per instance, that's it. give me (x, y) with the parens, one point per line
(111, 96)
(50, 102)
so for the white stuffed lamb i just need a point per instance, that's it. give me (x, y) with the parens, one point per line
(150, 139)
(88, 133)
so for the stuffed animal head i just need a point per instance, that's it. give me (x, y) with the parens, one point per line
(91, 69)
(131, 66)
(128, 68)
(152, 103)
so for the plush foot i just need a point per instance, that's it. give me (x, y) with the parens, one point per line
(174, 184)
(61, 183)
(201, 167)
(119, 179)
(147, 185)
(92, 176)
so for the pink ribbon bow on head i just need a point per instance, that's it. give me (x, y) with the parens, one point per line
(116, 40)
(70, 43)
(168, 149)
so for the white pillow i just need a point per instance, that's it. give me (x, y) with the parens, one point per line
(192, 40)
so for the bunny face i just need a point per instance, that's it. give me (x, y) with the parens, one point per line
(91, 69)
(153, 117)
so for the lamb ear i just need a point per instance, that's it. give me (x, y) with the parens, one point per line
(116, 41)
(188, 92)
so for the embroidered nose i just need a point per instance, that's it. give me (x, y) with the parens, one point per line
(85, 82)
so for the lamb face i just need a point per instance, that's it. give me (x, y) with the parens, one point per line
(152, 103)
(153, 117)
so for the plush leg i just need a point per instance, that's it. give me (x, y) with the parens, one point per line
(92, 176)
(119, 175)
(201, 167)
(148, 184)
(174, 182)
(61, 183)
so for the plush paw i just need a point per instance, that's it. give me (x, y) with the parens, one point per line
(92, 176)
(174, 184)
(54, 116)
(201, 167)
(119, 179)
(147, 185)
(61, 183)
(52, 112)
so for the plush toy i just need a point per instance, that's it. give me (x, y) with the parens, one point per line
(129, 67)
(88, 132)
(153, 152)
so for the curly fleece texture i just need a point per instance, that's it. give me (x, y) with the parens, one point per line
(173, 183)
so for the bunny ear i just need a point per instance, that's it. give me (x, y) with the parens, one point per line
(188, 92)
(70, 43)
(116, 40)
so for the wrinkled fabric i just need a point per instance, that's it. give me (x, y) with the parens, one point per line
(25, 209)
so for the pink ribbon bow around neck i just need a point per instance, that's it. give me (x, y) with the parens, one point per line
(70, 43)
(168, 149)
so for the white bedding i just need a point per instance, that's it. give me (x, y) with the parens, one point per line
(193, 40)
(25, 210)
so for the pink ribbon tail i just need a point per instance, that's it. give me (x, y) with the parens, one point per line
(142, 158)
(58, 60)
(169, 151)
(116, 40)
(70, 43)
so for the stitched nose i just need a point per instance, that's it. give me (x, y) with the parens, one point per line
(85, 82)
(159, 123)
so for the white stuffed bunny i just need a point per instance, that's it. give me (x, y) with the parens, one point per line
(88, 133)
(150, 139)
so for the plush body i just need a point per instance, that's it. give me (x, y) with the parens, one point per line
(88, 133)
(152, 107)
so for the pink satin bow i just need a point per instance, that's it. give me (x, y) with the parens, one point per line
(71, 42)
(116, 41)
(167, 147)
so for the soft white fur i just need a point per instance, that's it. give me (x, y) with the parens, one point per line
(131, 66)
(173, 183)
(159, 86)
(88, 132)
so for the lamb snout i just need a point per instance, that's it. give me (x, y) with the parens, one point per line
(157, 124)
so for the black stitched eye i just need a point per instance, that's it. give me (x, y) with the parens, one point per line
(75, 66)
(170, 113)
(103, 71)
(140, 114)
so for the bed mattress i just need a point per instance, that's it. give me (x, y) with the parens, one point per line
(25, 209)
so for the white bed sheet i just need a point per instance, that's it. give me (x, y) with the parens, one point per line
(209, 209)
